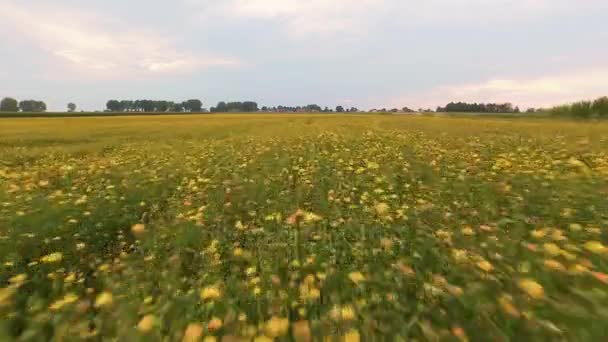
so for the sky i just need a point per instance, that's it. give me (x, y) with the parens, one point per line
(362, 53)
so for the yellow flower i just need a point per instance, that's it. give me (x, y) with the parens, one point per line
(387, 244)
(348, 313)
(351, 336)
(554, 265)
(214, 324)
(193, 333)
(506, 304)
(485, 265)
(277, 327)
(467, 231)
(539, 233)
(312, 218)
(18, 279)
(52, 258)
(5, 295)
(146, 324)
(301, 331)
(138, 229)
(356, 277)
(551, 249)
(67, 299)
(595, 247)
(210, 293)
(532, 288)
(381, 209)
(104, 299)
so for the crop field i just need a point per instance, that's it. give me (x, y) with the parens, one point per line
(303, 228)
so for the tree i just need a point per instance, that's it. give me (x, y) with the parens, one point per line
(71, 107)
(113, 105)
(193, 105)
(600, 107)
(29, 106)
(9, 104)
(339, 109)
(221, 107)
(250, 107)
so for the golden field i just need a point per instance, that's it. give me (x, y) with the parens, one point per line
(303, 228)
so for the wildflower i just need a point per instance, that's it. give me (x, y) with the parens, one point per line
(554, 265)
(467, 231)
(532, 288)
(506, 304)
(17, 280)
(67, 299)
(239, 225)
(104, 299)
(347, 313)
(595, 247)
(356, 277)
(551, 249)
(146, 324)
(277, 327)
(351, 336)
(214, 324)
(210, 293)
(138, 229)
(52, 258)
(381, 209)
(485, 266)
(301, 331)
(603, 277)
(387, 244)
(193, 333)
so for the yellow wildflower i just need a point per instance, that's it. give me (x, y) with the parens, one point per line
(356, 277)
(381, 209)
(351, 336)
(146, 324)
(595, 247)
(551, 249)
(193, 333)
(52, 258)
(67, 299)
(215, 324)
(138, 229)
(277, 327)
(532, 288)
(104, 299)
(210, 293)
(485, 266)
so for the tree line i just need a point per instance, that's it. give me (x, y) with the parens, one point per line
(583, 109)
(311, 108)
(149, 106)
(463, 107)
(9, 104)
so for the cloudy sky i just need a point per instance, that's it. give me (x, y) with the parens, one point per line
(364, 53)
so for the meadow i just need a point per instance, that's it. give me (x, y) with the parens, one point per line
(303, 228)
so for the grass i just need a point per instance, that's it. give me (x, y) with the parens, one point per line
(303, 227)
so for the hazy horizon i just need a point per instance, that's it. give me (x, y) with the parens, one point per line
(365, 53)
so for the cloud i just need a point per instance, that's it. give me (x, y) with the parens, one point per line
(314, 18)
(300, 18)
(542, 91)
(84, 43)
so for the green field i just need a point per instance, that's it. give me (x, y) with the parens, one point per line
(303, 227)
